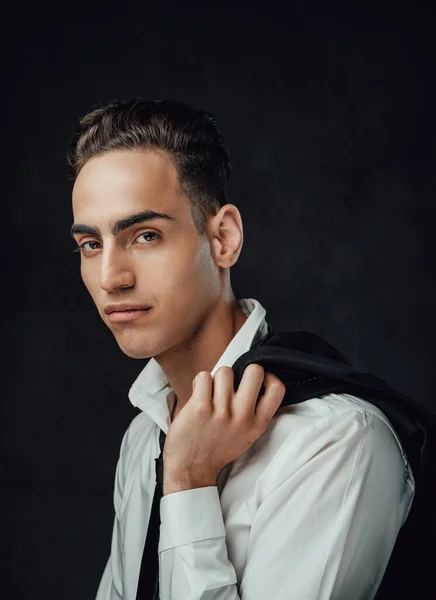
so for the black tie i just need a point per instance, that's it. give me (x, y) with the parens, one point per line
(148, 585)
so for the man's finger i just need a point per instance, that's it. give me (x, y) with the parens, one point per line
(270, 401)
(222, 393)
(244, 401)
(202, 390)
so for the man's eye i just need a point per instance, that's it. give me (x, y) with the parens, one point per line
(86, 251)
(149, 233)
(82, 247)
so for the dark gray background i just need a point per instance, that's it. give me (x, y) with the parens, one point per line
(329, 118)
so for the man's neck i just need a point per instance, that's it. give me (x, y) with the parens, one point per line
(181, 367)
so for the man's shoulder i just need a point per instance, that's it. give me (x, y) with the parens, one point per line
(319, 408)
(326, 418)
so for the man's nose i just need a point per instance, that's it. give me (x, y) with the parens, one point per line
(115, 270)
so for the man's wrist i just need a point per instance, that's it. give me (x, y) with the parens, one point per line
(179, 482)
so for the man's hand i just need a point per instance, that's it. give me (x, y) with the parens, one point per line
(217, 425)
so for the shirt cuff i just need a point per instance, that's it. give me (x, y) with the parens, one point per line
(190, 516)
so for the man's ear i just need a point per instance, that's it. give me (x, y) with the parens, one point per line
(226, 235)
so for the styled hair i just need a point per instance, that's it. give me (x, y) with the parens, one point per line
(190, 137)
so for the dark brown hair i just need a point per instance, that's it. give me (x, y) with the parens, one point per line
(189, 136)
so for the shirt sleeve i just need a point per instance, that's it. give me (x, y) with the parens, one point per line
(331, 511)
(193, 560)
(111, 583)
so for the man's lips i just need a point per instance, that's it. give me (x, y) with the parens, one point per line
(124, 307)
(127, 315)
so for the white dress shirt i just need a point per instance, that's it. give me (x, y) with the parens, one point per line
(310, 512)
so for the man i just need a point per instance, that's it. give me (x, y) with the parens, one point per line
(260, 502)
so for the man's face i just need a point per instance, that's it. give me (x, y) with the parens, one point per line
(162, 263)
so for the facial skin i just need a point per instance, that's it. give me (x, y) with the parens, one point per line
(184, 277)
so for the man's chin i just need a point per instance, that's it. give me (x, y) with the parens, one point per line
(135, 351)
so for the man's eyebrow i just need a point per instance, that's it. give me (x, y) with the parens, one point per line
(121, 224)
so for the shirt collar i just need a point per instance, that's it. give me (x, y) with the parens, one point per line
(151, 391)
